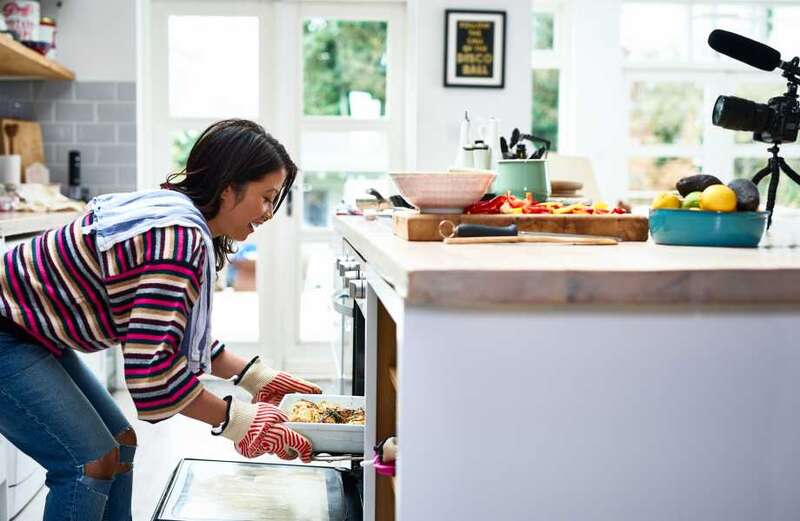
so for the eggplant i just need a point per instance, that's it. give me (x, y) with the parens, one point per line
(747, 196)
(695, 183)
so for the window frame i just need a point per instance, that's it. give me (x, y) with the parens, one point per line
(557, 57)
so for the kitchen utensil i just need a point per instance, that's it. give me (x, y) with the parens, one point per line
(425, 227)
(480, 234)
(520, 176)
(399, 202)
(11, 132)
(442, 192)
(332, 438)
(702, 228)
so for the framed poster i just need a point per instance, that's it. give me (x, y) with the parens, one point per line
(474, 48)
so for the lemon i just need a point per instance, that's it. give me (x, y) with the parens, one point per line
(718, 198)
(692, 200)
(666, 200)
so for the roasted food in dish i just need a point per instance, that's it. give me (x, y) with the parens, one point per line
(305, 411)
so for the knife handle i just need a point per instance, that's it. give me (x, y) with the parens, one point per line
(482, 230)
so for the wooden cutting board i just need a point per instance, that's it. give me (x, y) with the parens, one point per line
(425, 227)
(27, 142)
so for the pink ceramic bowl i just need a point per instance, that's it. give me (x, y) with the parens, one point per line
(442, 192)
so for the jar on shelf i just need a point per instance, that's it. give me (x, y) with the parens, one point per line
(47, 34)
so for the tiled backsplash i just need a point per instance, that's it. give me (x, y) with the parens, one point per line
(97, 118)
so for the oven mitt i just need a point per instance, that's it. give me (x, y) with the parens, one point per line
(255, 429)
(270, 386)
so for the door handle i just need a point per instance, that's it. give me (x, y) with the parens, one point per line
(338, 305)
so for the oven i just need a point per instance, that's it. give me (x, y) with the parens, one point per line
(349, 303)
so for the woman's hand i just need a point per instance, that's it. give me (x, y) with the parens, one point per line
(256, 429)
(270, 386)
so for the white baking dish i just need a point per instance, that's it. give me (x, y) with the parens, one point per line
(328, 437)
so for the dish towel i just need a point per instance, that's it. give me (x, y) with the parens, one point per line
(118, 217)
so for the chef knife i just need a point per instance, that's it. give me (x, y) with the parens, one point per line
(483, 234)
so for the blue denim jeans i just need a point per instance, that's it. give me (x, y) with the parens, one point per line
(55, 410)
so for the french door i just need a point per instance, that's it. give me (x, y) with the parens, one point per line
(326, 78)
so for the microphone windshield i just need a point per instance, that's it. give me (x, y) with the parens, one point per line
(744, 49)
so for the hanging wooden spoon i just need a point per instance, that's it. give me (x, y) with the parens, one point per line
(11, 131)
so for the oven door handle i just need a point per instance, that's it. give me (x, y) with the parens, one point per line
(339, 306)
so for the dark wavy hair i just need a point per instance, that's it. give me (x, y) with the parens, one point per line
(232, 153)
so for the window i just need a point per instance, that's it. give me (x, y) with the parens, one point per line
(673, 79)
(545, 61)
(213, 77)
(344, 68)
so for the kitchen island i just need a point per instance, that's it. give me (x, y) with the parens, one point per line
(550, 382)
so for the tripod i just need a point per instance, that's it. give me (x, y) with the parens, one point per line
(775, 166)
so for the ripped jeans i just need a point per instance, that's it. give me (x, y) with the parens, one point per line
(56, 411)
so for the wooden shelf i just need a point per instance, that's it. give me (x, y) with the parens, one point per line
(393, 377)
(18, 61)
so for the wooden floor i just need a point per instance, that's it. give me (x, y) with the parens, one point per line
(161, 446)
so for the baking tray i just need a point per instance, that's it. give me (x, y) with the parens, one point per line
(209, 490)
(328, 437)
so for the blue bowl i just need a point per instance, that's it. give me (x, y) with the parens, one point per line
(701, 228)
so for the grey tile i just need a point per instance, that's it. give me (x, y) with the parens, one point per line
(96, 91)
(117, 112)
(126, 133)
(54, 90)
(96, 133)
(126, 175)
(126, 91)
(93, 175)
(49, 155)
(58, 132)
(71, 111)
(116, 154)
(16, 109)
(44, 111)
(58, 174)
(88, 154)
(16, 90)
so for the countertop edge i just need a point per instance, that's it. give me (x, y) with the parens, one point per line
(20, 223)
(704, 285)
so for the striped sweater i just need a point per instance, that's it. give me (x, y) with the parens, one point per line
(66, 294)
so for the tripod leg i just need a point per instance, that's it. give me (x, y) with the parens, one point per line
(773, 189)
(764, 172)
(794, 176)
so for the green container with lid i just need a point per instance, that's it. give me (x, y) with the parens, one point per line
(519, 176)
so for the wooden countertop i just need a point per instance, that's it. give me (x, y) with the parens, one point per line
(19, 223)
(437, 274)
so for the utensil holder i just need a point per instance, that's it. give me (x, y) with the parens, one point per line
(520, 176)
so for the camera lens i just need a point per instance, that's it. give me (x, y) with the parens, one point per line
(740, 114)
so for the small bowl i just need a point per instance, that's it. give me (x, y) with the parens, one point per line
(41, 47)
(442, 192)
(702, 228)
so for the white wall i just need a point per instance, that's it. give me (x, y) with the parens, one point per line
(96, 38)
(433, 124)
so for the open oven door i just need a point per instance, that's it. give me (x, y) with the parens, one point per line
(245, 491)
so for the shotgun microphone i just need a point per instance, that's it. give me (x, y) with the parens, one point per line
(745, 50)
